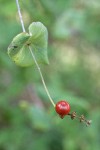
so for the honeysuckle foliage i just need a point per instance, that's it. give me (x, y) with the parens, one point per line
(36, 39)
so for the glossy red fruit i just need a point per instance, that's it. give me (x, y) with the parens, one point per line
(62, 108)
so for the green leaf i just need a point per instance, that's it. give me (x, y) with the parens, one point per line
(17, 43)
(37, 39)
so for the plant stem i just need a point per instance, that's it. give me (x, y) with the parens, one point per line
(81, 118)
(20, 16)
(41, 77)
(33, 56)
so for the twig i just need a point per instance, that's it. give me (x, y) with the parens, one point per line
(81, 118)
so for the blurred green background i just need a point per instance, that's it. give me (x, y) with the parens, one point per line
(27, 119)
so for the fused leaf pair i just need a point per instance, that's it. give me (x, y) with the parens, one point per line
(37, 39)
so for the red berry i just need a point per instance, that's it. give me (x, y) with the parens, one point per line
(62, 108)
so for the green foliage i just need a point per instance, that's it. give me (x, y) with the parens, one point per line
(73, 74)
(36, 40)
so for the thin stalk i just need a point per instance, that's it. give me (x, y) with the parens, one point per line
(33, 56)
(45, 87)
(20, 16)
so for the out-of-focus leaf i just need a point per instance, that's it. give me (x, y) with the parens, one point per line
(40, 120)
(69, 23)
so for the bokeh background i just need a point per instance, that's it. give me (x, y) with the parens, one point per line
(27, 119)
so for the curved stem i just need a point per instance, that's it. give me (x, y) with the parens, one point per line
(41, 77)
(20, 16)
(33, 56)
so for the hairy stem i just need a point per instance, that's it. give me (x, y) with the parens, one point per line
(41, 77)
(20, 16)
